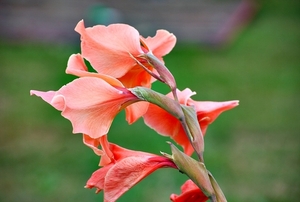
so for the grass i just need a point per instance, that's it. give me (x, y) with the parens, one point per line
(253, 150)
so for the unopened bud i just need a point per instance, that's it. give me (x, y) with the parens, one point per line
(195, 170)
(194, 132)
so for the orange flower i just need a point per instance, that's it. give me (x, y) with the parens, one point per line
(90, 103)
(122, 168)
(190, 192)
(166, 124)
(111, 50)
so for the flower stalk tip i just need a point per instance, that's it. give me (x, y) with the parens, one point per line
(165, 75)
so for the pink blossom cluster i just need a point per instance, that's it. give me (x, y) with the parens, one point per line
(126, 64)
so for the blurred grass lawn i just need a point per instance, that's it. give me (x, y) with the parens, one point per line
(252, 150)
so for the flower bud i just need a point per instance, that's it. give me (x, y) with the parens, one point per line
(194, 131)
(195, 170)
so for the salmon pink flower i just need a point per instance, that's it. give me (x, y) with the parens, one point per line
(190, 192)
(115, 49)
(76, 66)
(122, 168)
(166, 124)
(90, 103)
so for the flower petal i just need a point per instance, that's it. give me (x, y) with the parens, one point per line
(97, 179)
(208, 111)
(189, 193)
(77, 67)
(93, 144)
(162, 43)
(135, 111)
(128, 172)
(184, 96)
(166, 124)
(90, 104)
(137, 76)
(128, 168)
(107, 48)
(46, 96)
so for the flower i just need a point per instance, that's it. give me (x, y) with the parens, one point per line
(122, 168)
(115, 49)
(190, 192)
(91, 103)
(76, 66)
(166, 124)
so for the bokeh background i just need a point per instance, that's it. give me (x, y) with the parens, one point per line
(226, 50)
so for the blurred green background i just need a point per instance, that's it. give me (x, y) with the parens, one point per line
(252, 150)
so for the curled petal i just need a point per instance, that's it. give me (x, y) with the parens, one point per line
(184, 96)
(46, 96)
(162, 43)
(76, 66)
(93, 144)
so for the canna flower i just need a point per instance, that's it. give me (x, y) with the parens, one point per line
(116, 50)
(122, 168)
(190, 192)
(91, 103)
(166, 124)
